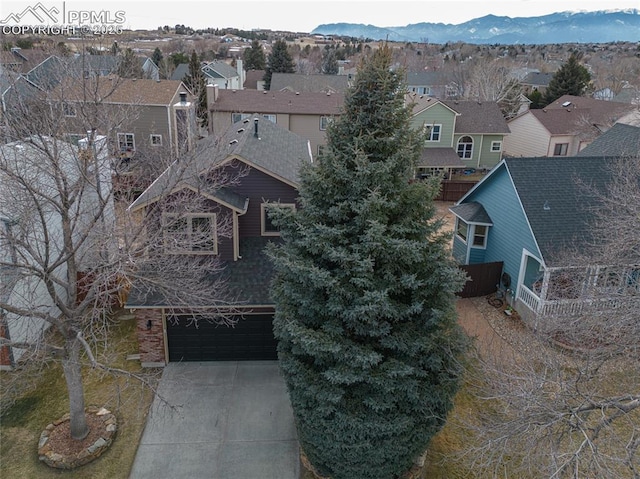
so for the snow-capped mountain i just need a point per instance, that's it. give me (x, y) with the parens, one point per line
(563, 27)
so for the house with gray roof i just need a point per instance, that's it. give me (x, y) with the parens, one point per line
(224, 75)
(436, 84)
(263, 161)
(621, 140)
(536, 81)
(534, 215)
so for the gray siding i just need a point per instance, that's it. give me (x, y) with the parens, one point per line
(260, 188)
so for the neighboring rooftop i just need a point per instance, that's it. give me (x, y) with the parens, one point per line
(619, 140)
(286, 102)
(296, 82)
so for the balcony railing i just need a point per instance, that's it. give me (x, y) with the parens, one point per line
(565, 307)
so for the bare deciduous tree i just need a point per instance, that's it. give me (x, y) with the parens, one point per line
(490, 80)
(574, 411)
(67, 251)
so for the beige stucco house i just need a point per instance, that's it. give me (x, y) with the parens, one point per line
(562, 128)
(305, 113)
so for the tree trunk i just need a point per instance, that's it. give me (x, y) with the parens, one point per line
(73, 376)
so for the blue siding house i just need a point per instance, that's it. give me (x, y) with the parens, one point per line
(533, 215)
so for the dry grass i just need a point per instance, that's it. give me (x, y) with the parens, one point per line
(21, 425)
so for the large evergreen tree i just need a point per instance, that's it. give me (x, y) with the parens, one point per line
(279, 61)
(571, 79)
(364, 289)
(330, 62)
(253, 57)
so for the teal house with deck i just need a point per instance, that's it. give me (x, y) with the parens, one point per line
(534, 214)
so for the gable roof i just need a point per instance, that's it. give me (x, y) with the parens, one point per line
(116, 90)
(563, 122)
(558, 205)
(296, 82)
(473, 117)
(619, 140)
(219, 69)
(286, 102)
(421, 103)
(275, 150)
(48, 73)
(180, 72)
(599, 112)
(482, 117)
(472, 212)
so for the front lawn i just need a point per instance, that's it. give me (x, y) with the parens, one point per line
(22, 423)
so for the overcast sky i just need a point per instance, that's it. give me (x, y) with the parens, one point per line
(305, 15)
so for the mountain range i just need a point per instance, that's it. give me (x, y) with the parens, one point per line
(563, 27)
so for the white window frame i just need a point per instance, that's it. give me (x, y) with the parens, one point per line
(172, 248)
(124, 139)
(483, 236)
(321, 148)
(496, 146)
(467, 148)
(325, 121)
(152, 139)
(263, 217)
(270, 117)
(460, 223)
(434, 131)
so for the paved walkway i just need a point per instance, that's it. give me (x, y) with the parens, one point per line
(235, 422)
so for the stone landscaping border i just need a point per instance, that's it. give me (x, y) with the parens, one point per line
(90, 453)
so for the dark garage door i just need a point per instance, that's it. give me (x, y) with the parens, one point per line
(250, 339)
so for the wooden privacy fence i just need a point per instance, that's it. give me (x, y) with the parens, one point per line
(483, 279)
(452, 190)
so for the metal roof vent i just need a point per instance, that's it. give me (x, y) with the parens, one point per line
(546, 206)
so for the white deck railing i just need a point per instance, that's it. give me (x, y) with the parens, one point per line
(529, 298)
(565, 307)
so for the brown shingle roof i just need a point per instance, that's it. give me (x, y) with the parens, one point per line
(563, 122)
(440, 158)
(473, 116)
(251, 101)
(478, 117)
(597, 112)
(127, 91)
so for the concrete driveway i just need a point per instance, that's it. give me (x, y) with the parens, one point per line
(234, 421)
